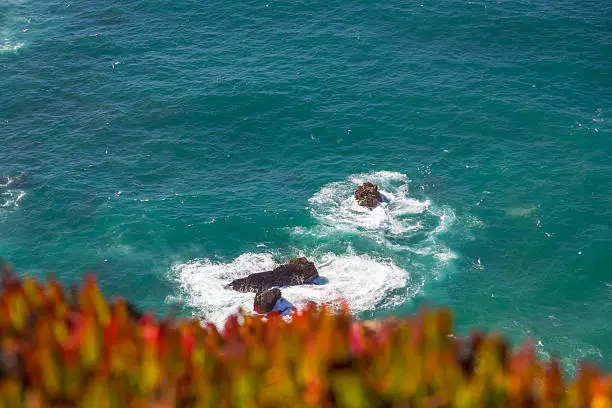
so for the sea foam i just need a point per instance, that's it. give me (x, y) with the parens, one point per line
(400, 223)
(402, 229)
(10, 197)
(10, 46)
(363, 281)
(335, 204)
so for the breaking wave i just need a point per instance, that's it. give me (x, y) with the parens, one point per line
(13, 27)
(361, 280)
(400, 224)
(10, 46)
(10, 196)
(399, 214)
(374, 259)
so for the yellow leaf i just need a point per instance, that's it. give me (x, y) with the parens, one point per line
(17, 311)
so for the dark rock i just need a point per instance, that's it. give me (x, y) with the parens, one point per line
(367, 195)
(12, 181)
(297, 272)
(265, 301)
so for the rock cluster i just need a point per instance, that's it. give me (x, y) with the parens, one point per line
(298, 271)
(266, 300)
(367, 195)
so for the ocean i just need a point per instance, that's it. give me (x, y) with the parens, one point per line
(172, 146)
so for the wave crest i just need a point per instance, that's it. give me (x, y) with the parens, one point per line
(10, 197)
(398, 217)
(373, 259)
(9, 46)
(363, 281)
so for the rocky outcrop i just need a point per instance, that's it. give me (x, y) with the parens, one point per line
(298, 271)
(299, 261)
(266, 300)
(367, 195)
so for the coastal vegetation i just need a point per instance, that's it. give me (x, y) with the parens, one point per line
(76, 348)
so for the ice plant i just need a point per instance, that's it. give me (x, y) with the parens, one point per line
(62, 349)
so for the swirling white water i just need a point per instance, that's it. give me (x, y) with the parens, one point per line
(359, 279)
(400, 223)
(10, 195)
(404, 251)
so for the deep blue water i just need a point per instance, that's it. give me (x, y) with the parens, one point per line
(174, 146)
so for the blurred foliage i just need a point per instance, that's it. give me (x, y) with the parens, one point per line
(74, 348)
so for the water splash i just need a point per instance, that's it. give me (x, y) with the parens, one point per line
(363, 281)
(405, 251)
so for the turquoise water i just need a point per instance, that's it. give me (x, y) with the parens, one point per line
(173, 146)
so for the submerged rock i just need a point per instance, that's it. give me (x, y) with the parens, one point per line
(13, 181)
(298, 271)
(367, 195)
(266, 300)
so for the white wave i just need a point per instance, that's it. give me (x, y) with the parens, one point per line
(11, 198)
(447, 219)
(14, 27)
(10, 46)
(335, 204)
(445, 256)
(202, 283)
(401, 223)
(9, 34)
(362, 281)
(379, 177)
